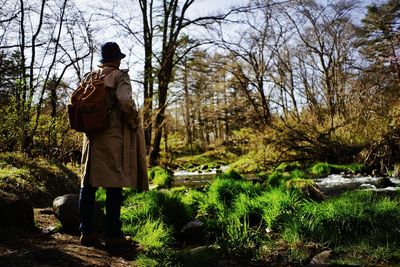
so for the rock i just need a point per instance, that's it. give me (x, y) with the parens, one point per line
(204, 167)
(15, 211)
(50, 230)
(307, 187)
(385, 182)
(322, 258)
(66, 208)
(396, 170)
(201, 256)
(193, 231)
(377, 173)
(368, 186)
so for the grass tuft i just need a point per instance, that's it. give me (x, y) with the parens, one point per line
(323, 168)
(160, 176)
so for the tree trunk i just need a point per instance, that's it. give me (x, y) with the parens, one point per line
(163, 79)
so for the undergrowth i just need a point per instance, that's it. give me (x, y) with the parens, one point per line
(38, 180)
(255, 222)
(275, 219)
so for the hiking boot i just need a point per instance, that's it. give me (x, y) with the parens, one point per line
(89, 240)
(118, 241)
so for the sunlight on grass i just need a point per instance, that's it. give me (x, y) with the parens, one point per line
(160, 176)
(12, 172)
(153, 234)
(324, 168)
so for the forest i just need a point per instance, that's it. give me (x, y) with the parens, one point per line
(294, 80)
(283, 91)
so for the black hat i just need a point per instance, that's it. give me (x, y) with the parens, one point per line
(110, 52)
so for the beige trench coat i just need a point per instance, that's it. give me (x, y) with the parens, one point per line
(117, 156)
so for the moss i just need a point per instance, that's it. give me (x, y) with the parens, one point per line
(36, 179)
(205, 161)
(306, 187)
(324, 168)
(246, 164)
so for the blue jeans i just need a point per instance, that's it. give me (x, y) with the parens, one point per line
(113, 210)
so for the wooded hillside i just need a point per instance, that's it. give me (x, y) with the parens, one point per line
(282, 80)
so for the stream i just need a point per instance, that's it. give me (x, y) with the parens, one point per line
(332, 184)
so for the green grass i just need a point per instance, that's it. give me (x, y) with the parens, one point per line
(160, 176)
(238, 239)
(287, 167)
(9, 171)
(367, 253)
(246, 164)
(273, 222)
(166, 257)
(324, 168)
(225, 190)
(245, 219)
(36, 179)
(154, 218)
(205, 161)
(279, 179)
(353, 215)
(193, 199)
(151, 234)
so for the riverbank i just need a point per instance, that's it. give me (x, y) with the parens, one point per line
(278, 220)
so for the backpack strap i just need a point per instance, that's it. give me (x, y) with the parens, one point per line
(107, 73)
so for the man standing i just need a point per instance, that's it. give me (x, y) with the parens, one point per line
(114, 158)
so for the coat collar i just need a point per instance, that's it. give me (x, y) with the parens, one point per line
(109, 65)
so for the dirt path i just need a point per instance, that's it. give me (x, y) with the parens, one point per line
(45, 247)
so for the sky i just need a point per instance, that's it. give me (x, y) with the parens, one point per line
(199, 8)
(135, 62)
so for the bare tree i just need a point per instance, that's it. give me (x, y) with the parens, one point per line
(325, 33)
(254, 51)
(161, 36)
(45, 50)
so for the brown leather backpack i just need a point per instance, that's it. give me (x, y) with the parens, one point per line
(91, 105)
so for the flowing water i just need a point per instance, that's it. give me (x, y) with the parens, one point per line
(339, 182)
(195, 179)
(332, 184)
